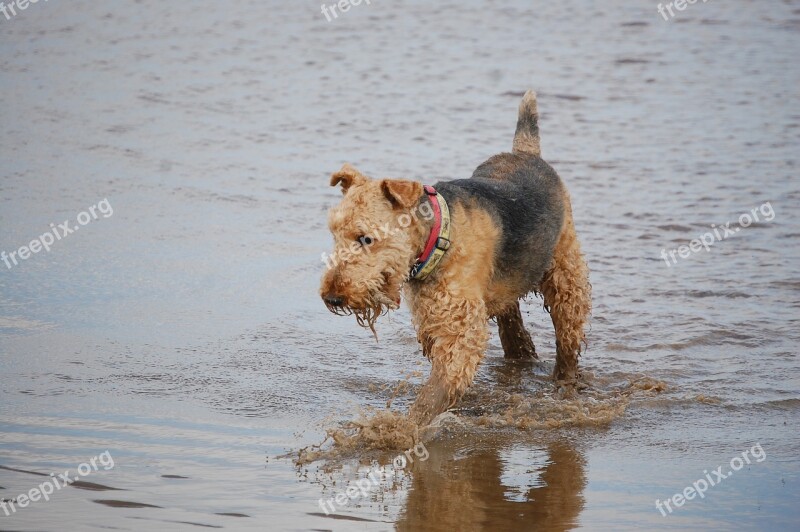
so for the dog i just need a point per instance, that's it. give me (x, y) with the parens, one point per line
(490, 240)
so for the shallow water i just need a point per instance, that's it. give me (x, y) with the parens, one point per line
(183, 333)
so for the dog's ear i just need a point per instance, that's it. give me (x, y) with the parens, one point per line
(347, 176)
(402, 192)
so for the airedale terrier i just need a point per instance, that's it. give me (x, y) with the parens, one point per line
(463, 252)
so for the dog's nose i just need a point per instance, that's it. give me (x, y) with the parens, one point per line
(333, 300)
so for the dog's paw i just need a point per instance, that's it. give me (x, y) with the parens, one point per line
(569, 389)
(446, 422)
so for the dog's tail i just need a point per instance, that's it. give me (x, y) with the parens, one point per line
(526, 139)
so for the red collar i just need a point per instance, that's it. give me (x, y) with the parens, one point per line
(438, 239)
(430, 245)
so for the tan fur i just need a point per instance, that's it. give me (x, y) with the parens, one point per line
(503, 295)
(568, 297)
(525, 140)
(401, 193)
(347, 176)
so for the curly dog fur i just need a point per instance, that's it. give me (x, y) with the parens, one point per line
(512, 233)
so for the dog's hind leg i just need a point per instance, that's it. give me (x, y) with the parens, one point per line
(568, 298)
(515, 339)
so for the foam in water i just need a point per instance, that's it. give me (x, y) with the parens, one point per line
(482, 409)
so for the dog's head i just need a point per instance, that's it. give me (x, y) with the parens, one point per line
(377, 231)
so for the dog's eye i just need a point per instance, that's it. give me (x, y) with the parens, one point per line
(365, 240)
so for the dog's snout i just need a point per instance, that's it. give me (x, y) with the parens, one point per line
(333, 300)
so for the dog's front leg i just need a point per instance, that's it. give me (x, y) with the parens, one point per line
(454, 334)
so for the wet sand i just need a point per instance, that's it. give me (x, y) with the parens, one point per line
(184, 333)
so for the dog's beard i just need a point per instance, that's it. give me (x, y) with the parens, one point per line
(368, 312)
(367, 317)
(382, 296)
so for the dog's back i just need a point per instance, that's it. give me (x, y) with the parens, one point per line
(524, 196)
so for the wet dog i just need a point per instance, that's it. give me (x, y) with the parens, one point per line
(491, 240)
